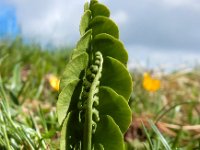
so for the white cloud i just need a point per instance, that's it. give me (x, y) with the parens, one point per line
(193, 4)
(149, 23)
(54, 21)
(121, 17)
(49, 21)
(165, 59)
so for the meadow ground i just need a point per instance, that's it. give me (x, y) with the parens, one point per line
(166, 107)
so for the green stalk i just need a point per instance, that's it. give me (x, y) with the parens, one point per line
(6, 138)
(87, 135)
(88, 123)
(4, 97)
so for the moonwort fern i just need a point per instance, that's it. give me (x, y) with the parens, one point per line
(95, 87)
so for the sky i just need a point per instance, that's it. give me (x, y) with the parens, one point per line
(164, 33)
(8, 22)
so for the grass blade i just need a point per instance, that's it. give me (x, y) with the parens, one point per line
(162, 139)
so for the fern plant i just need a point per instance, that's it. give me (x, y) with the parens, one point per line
(92, 106)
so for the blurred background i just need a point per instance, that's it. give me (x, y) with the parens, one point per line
(163, 34)
(162, 39)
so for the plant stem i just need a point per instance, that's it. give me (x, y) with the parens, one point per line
(87, 135)
(88, 125)
(6, 138)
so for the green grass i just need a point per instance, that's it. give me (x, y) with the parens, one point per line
(24, 69)
(27, 103)
(176, 104)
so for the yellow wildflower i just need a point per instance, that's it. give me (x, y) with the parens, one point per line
(150, 84)
(54, 82)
